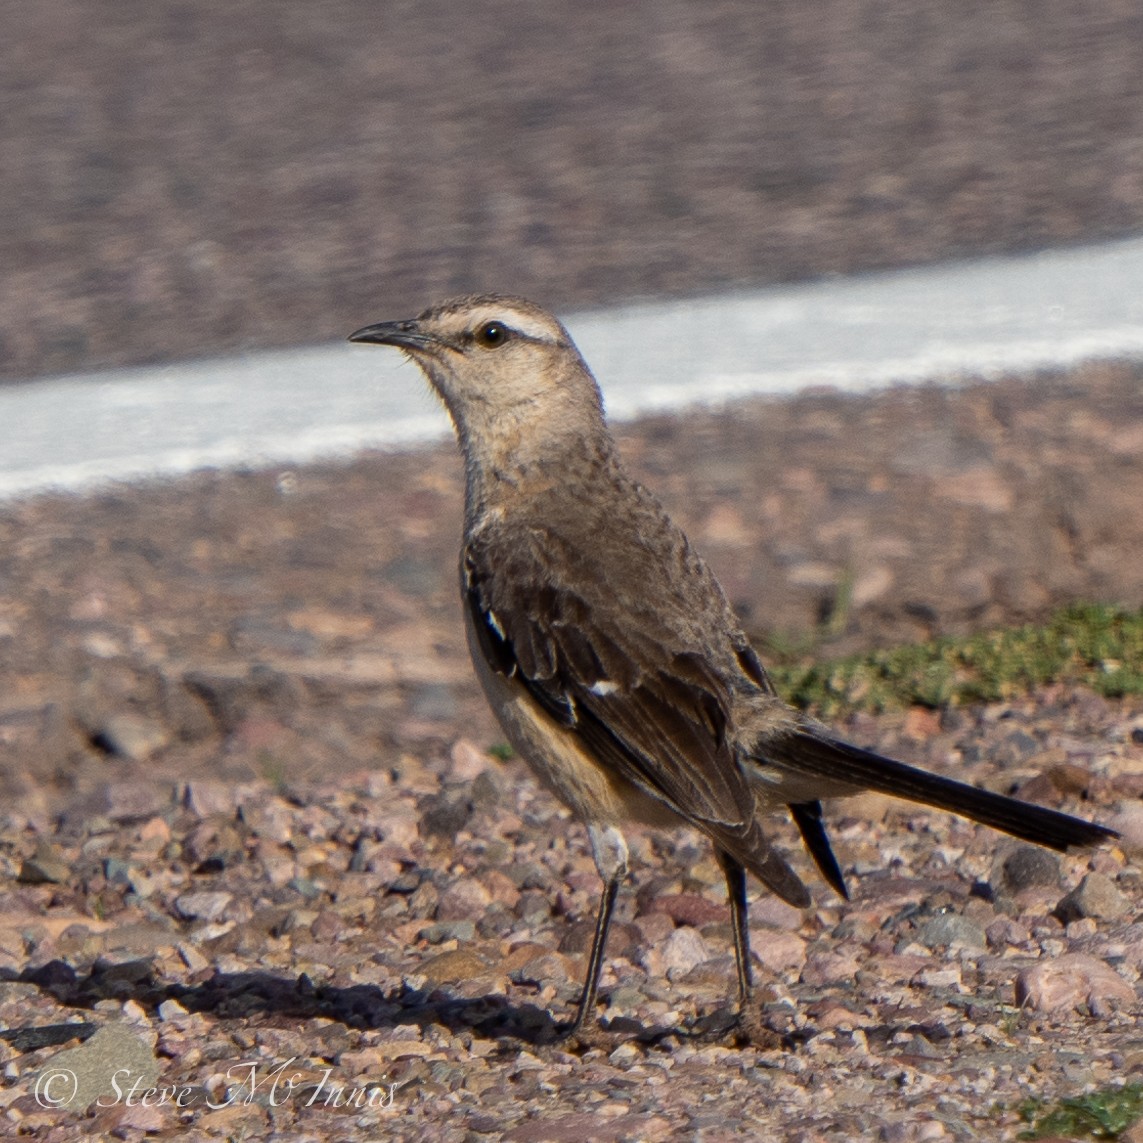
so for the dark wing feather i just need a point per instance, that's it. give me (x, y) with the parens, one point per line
(652, 712)
(660, 723)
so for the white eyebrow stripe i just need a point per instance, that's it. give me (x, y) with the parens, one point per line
(522, 323)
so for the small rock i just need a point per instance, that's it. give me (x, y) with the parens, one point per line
(684, 949)
(979, 487)
(129, 735)
(895, 967)
(654, 927)
(724, 525)
(501, 888)
(446, 815)
(148, 1118)
(542, 969)
(688, 909)
(84, 1074)
(214, 845)
(951, 930)
(1024, 867)
(203, 906)
(398, 826)
(1129, 822)
(464, 900)
(205, 799)
(467, 761)
(453, 966)
(1081, 929)
(486, 792)
(830, 968)
(946, 977)
(1071, 981)
(778, 951)
(866, 807)
(626, 1054)
(171, 1010)
(1004, 932)
(776, 914)
(448, 931)
(871, 584)
(1068, 778)
(921, 723)
(126, 801)
(1095, 896)
(192, 958)
(45, 866)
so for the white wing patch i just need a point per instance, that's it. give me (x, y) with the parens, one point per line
(494, 623)
(603, 688)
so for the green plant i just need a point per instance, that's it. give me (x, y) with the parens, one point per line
(1096, 645)
(1103, 1114)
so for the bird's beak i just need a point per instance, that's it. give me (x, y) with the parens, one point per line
(403, 334)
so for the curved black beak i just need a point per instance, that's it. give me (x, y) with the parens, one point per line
(403, 334)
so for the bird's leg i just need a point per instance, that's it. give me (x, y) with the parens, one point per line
(610, 852)
(736, 890)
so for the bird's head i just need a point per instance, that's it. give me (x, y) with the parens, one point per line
(507, 371)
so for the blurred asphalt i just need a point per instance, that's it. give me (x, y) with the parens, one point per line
(181, 180)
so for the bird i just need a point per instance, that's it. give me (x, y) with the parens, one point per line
(607, 649)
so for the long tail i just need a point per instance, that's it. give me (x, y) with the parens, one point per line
(807, 752)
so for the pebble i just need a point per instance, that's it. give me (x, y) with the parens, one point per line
(1095, 896)
(131, 736)
(467, 761)
(114, 1051)
(202, 906)
(453, 965)
(1129, 822)
(951, 930)
(443, 931)
(1070, 981)
(688, 909)
(770, 911)
(778, 951)
(206, 798)
(465, 899)
(830, 967)
(1023, 867)
(683, 950)
(543, 968)
(45, 866)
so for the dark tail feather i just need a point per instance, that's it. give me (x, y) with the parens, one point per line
(808, 818)
(804, 752)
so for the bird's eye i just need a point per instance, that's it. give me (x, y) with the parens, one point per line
(491, 334)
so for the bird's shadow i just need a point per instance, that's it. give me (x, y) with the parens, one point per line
(242, 994)
(239, 995)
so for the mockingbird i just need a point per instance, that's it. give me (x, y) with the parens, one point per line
(605, 645)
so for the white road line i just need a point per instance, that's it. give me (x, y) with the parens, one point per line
(950, 322)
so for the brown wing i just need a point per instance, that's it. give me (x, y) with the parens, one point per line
(625, 679)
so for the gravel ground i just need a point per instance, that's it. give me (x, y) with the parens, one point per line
(181, 179)
(253, 831)
(253, 846)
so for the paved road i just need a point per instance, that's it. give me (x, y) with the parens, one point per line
(949, 322)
